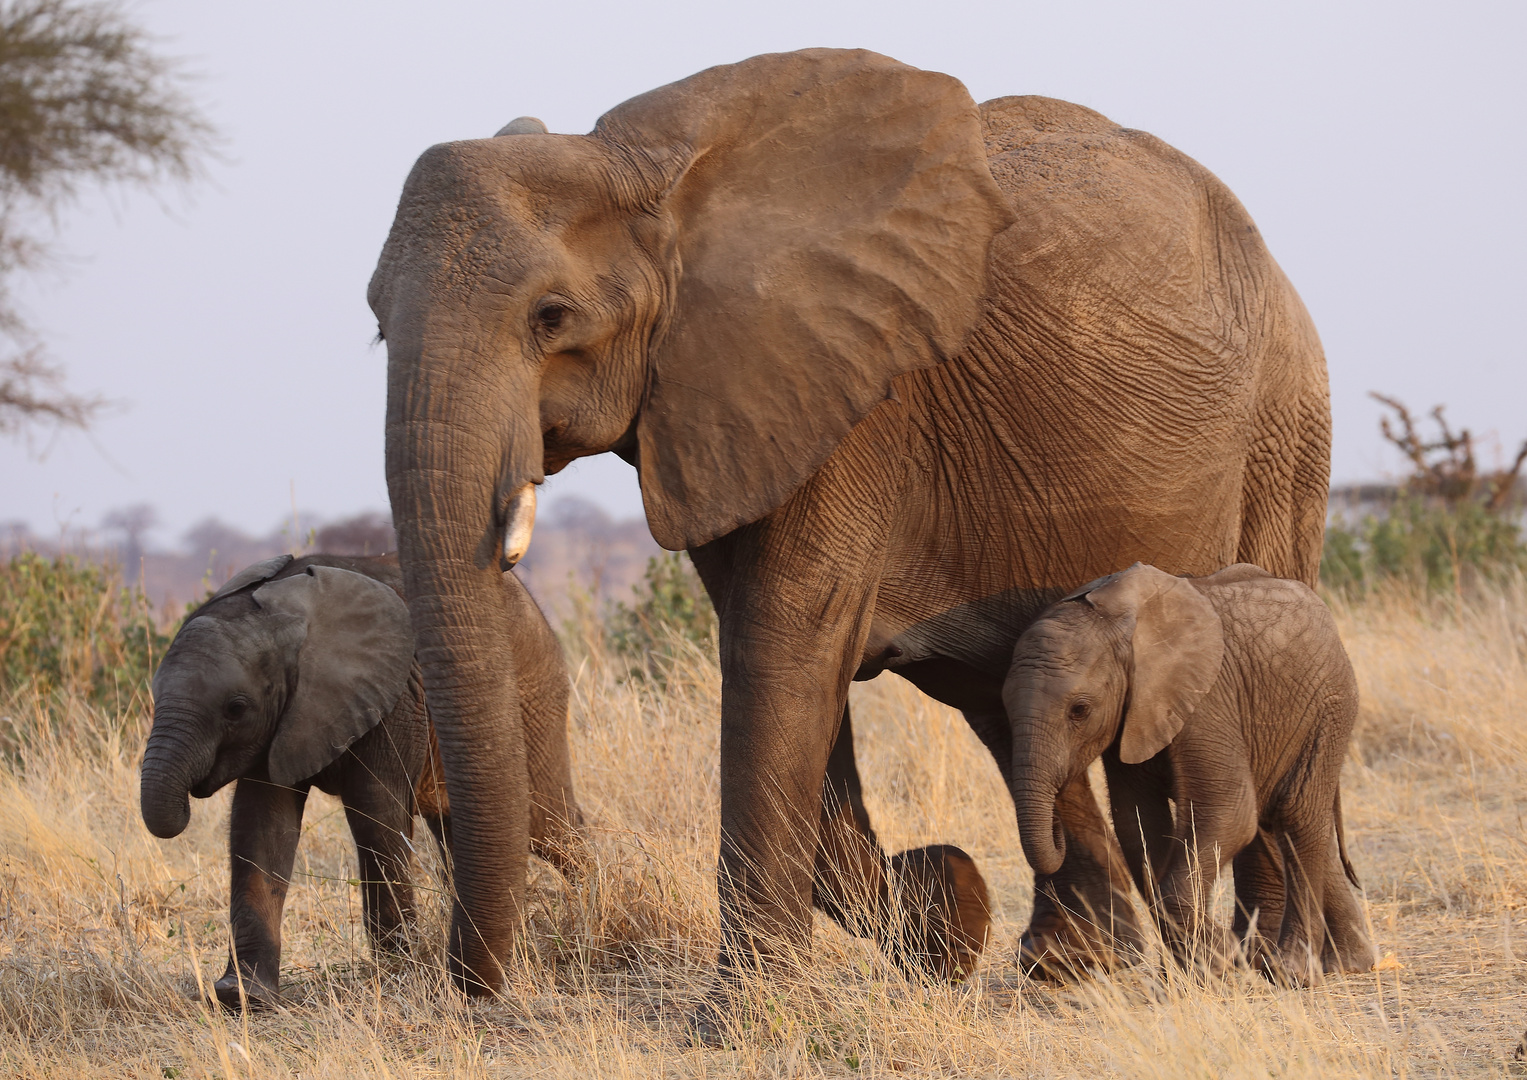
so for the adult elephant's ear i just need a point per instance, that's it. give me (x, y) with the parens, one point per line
(832, 211)
(352, 665)
(1178, 644)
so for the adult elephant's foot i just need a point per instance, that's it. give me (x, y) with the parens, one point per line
(1095, 931)
(244, 987)
(1064, 948)
(942, 915)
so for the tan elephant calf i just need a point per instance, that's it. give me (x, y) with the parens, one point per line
(1221, 707)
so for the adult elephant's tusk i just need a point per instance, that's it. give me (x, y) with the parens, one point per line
(519, 523)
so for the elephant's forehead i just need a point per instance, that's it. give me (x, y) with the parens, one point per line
(538, 181)
(203, 631)
(207, 653)
(213, 641)
(481, 212)
(1071, 634)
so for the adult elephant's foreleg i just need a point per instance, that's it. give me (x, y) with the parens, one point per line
(774, 748)
(793, 622)
(1083, 916)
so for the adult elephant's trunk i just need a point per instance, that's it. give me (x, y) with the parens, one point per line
(174, 761)
(462, 444)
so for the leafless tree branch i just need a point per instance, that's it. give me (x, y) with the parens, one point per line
(84, 99)
(1446, 468)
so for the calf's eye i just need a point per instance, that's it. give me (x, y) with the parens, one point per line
(1079, 710)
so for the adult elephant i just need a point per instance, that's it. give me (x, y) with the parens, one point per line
(882, 359)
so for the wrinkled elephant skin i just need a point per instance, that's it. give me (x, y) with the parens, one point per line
(882, 359)
(1222, 708)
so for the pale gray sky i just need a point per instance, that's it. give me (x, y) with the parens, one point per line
(1380, 147)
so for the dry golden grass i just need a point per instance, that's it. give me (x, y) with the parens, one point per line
(108, 937)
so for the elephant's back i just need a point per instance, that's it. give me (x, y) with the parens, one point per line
(1131, 221)
(1286, 674)
(1044, 152)
(1280, 632)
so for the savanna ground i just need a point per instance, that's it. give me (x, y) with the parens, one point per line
(109, 938)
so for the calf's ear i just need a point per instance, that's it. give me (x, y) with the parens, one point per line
(260, 571)
(352, 665)
(1178, 644)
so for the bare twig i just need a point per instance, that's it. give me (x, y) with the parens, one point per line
(1445, 468)
(1504, 482)
(32, 390)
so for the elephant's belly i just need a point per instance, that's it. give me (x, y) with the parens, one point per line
(1003, 514)
(972, 691)
(975, 638)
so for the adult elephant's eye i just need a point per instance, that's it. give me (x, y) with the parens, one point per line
(549, 316)
(1080, 710)
(236, 708)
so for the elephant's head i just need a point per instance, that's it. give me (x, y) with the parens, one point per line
(1126, 657)
(717, 283)
(271, 679)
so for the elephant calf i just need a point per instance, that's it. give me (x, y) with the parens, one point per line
(300, 673)
(1221, 707)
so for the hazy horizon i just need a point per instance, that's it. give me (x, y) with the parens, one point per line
(1376, 146)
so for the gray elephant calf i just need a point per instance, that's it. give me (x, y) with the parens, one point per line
(1232, 697)
(300, 674)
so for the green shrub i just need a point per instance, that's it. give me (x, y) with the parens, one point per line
(1423, 543)
(669, 608)
(69, 627)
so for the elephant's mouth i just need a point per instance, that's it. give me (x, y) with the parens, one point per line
(556, 455)
(222, 774)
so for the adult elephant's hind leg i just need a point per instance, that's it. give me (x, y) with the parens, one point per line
(849, 881)
(1083, 917)
(927, 908)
